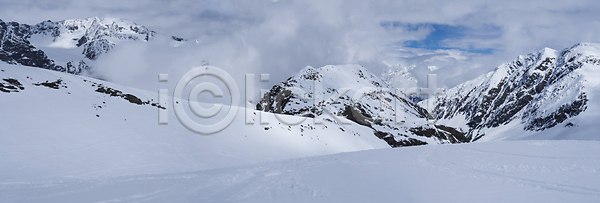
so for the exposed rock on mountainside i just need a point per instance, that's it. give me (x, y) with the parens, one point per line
(368, 102)
(9, 85)
(27, 44)
(537, 91)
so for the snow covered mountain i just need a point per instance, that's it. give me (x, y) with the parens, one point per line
(534, 93)
(398, 76)
(67, 45)
(543, 95)
(353, 92)
(537, 92)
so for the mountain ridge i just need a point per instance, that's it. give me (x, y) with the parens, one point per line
(68, 45)
(538, 91)
(376, 108)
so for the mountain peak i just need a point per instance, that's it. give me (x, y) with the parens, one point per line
(585, 44)
(398, 76)
(547, 53)
(100, 21)
(54, 45)
(538, 91)
(580, 50)
(348, 76)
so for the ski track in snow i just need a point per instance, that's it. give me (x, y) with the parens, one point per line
(496, 173)
(509, 171)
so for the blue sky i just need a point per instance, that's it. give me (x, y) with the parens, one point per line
(439, 33)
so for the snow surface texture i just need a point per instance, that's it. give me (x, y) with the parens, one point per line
(512, 171)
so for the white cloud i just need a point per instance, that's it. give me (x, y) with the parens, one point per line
(281, 37)
(432, 68)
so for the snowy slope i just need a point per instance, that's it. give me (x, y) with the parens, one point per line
(512, 171)
(56, 124)
(527, 97)
(355, 93)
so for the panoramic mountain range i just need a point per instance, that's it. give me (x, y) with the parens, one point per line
(523, 98)
(536, 92)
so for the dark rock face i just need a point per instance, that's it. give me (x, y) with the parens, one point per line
(179, 39)
(389, 138)
(77, 69)
(81, 41)
(54, 85)
(441, 132)
(16, 49)
(93, 49)
(560, 115)
(9, 85)
(117, 93)
(129, 97)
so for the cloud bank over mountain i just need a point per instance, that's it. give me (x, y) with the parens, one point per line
(462, 39)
